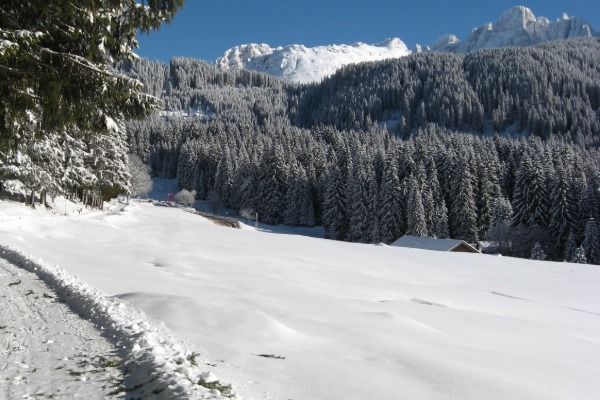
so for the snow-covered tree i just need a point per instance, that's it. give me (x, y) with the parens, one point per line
(360, 223)
(537, 253)
(463, 211)
(578, 256)
(298, 204)
(185, 196)
(272, 186)
(561, 217)
(141, 182)
(591, 241)
(392, 204)
(57, 59)
(570, 247)
(334, 204)
(415, 216)
(531, 199)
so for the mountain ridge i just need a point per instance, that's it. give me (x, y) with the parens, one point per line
(517, 26)
(301, 64)
(297, 63)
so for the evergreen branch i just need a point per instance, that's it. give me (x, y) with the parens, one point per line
(17, 71)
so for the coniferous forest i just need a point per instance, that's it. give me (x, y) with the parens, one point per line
(498, 145)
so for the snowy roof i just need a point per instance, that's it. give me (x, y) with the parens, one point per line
(430, 243)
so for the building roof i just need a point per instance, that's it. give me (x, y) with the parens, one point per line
(429, 243)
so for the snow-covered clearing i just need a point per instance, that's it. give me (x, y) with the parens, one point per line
(285, 316)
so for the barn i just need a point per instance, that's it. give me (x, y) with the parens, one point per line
(430, 243)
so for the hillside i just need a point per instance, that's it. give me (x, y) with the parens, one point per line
(546, 90)
(492, 145)
(295, 317)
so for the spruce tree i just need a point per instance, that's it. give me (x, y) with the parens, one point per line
(561, 219)
(578, 256)
(591, 241)
(463, 212)
(57, 59)
(530, 201)
(334, 205)
(358, 202)
(537, 253)
(570, 247)
(392, 204)
(272, 186)
(374, 210)
(415, 217)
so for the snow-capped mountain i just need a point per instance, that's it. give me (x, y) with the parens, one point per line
(516, 27)
(298, 63)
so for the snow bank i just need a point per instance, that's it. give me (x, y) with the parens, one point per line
(156, 365)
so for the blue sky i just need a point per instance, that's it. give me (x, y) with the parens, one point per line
(206, 28)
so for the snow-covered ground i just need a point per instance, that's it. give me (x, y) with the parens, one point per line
(287, 316)
(46, 349)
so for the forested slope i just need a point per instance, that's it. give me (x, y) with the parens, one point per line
(417, 145)
(547, 90)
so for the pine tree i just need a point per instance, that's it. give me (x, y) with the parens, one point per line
(392, 204)
(358, 202)
(561, 219)
(224, 178)
(299, 208)
(109, 159)
(306, 209)
(591, 199)
(530, 202)
(439, 221)
(578, 256)
(57, 75)
(76, 173)
(463, 212)
(441, 229)
(415, 216)
(537, 253)
(501, 212)
(570, 247)
(591, 241)
(374, 210)
(428, 201)
(272, 186)
(488, 192)
(334, 205)
(292, 197)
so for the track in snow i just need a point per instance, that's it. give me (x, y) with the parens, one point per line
(46, 350)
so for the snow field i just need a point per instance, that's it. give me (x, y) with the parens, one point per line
(287, 316)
